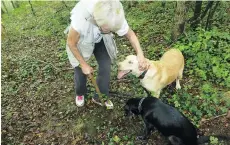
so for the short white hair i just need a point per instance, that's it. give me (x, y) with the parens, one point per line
(110, 13)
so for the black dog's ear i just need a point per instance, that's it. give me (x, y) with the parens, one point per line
(135, 111)
(127, 110)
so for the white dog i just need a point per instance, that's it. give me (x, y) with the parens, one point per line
(159, 74)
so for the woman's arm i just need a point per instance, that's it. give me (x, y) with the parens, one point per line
(131, 36)
(72, 40)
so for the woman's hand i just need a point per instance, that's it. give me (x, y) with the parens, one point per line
(86, 69)
(143, 64)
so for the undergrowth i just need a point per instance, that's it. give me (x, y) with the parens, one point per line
(207, 55)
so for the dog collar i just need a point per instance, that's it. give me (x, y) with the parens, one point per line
(142, 75)
(139, 105)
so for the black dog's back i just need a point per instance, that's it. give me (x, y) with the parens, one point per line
(168, 120)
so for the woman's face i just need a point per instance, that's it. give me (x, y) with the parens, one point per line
(105, 29)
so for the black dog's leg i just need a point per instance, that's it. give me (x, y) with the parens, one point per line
(147, 130)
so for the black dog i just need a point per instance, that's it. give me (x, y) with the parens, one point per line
(166, 119)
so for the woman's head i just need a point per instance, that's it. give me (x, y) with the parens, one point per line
(109, 15)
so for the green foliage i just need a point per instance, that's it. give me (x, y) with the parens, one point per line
(116, 139)
(26, 69)
(207, 55)
(209, 102)
(213, 140)
(62, 51)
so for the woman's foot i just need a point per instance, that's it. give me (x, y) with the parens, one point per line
(96, 100)
(80, 101)
(109, 104)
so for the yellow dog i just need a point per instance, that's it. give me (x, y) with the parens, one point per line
(159, 74)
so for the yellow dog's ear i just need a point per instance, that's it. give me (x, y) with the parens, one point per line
(151, 71)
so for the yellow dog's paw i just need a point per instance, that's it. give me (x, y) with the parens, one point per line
(178, 87)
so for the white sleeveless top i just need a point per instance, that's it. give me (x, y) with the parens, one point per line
(81, 16)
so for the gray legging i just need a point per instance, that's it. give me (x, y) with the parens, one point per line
(103, 77)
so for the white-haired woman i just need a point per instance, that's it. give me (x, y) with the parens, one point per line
(90, 32)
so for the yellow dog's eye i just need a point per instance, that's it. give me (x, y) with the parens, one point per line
(130, 62)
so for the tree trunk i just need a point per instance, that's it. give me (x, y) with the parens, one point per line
(210, 16)
(209, 6)
(163, 3)
(179, 20)
(195, 20)
(3, 3)
(3, 31)
(132, 3)
(2, 11)
(31, 8)
(13, 4)
(16, 3)
(228, 114)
